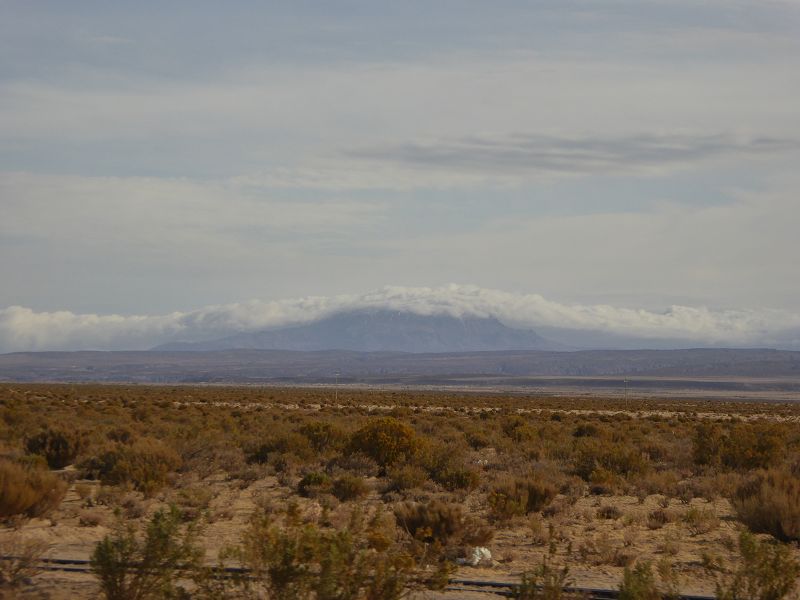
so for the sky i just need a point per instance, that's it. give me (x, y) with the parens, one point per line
(630, 163)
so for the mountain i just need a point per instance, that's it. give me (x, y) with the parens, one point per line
(379, 331)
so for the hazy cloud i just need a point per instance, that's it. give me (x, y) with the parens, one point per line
(537, 154)
(636, 153)
(22, 329)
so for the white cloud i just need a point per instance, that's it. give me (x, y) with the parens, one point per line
(22, 329)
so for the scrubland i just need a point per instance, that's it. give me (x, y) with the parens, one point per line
(380, 494)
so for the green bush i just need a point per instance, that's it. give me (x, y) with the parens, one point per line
(313, 484)
(290, 561)
(639, 583)
(543, 583)
(28, 491)
(768, 571)
(58, 447)
(130, 567)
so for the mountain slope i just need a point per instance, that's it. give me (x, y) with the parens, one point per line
(382, 330)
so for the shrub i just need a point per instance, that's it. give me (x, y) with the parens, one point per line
(28, 491)
(386, 441)
(130, 567)
(543, 583)
(639, 583)
(769, 502)
(586, 430)
(746, 446)
(144, 464)
(442, 524)
(404, 477)
(707, 444)
(192, 501)
(602, 481)
(768, 571)
(520, 496)
(431, 522)
(288, 443)
(323, 436)
(292, 561)
(447, 467)
(356, 463)
(458, 478)
(609, 512)
(700, 520)
(313, 484)
(518, 429)
(753, 446)
(593, 454)
(59, 448)
(349, 487)
(478, 440)
(658, 518)
(19, 561)
(91, 518)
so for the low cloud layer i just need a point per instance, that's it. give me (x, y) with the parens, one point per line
(22, 329)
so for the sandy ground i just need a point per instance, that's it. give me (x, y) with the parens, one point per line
(595, 548)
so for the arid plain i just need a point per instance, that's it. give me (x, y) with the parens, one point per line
(596, 485)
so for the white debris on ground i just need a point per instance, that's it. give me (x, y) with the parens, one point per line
(479, 556)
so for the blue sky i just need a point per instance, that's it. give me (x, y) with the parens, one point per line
(159, 157)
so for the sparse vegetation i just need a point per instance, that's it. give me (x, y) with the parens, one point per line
(586, 483)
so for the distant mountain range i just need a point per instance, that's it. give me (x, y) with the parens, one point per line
(382, 331)
(380, 347)
(752, 371)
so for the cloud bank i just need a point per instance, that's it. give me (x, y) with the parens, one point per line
(22, 329)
